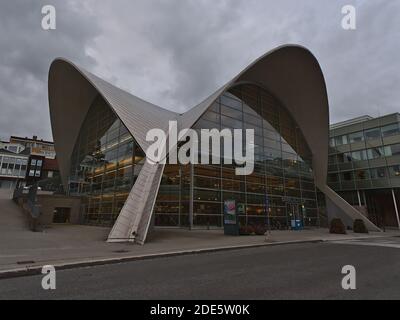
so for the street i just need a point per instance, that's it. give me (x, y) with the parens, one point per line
(297, 271)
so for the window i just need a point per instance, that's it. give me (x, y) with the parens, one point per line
(362, 174)
(33, 162)
(232, 101)
(212, 116)
(375, 153)
(13, 149)
(347, 157)
(356, 137)
(392, 150)
(333, 177)
(255, 120)
(231, 123)
(233, 113)
(4, 165)
(332, 142)
(348, 176)
(331, 159)
(394, 171)
(11, 166)
(359, 155)
(340, 140)
(24, 163)
(272, 135)
(390, 130)
(287, 148)
(378, 173)
(372, 134)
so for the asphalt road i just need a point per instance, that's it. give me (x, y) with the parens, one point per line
(301, 271)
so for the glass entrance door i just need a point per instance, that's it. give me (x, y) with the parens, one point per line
(294, 214)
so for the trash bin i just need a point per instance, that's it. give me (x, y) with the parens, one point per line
(297, 224)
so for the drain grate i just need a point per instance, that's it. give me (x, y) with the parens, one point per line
(26, 262)
(121, 251)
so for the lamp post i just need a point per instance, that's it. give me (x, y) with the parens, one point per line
(268, 233)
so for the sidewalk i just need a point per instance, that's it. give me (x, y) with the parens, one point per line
(68, 245)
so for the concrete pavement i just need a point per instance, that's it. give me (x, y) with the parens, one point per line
(71, 245)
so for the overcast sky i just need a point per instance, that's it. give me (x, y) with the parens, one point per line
(174, 53)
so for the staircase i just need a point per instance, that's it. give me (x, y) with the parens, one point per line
(134, 219)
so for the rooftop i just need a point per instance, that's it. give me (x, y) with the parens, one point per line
(357, 120)
(7, 152)
(349, 122)
(34, 138)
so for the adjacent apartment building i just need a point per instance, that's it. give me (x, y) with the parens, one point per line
(26, 160)
(364, 166)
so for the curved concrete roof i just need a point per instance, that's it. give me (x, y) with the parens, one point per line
(290, 72)
(71, 93)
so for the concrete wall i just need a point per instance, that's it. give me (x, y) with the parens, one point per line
(48, 203)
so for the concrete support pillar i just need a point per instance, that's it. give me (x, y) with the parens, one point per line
(191, 197)
(364, 197)
(359, 198)
(395, 208)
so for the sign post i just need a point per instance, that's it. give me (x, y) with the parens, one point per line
(231, 225)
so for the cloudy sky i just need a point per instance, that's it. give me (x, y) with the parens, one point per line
(174, 53)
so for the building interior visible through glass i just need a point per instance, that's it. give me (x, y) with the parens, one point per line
(106, 162)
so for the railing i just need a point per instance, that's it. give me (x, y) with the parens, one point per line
(32, 201)
(32, 207)
(18, 192)
(52, 184)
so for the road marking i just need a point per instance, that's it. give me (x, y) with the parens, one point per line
(388, 243)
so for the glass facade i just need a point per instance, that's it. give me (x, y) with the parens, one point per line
(282, 183)
(367, 158)
(104, 165)
(364, 168)
(106, 161)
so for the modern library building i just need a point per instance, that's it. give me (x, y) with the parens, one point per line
(100, 140)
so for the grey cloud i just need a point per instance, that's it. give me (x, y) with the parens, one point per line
(25, 56)
(174, 53)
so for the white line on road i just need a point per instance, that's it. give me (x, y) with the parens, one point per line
(376, 243)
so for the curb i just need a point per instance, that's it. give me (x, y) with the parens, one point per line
(37, 270)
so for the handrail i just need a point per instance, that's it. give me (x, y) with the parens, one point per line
(31, 205)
